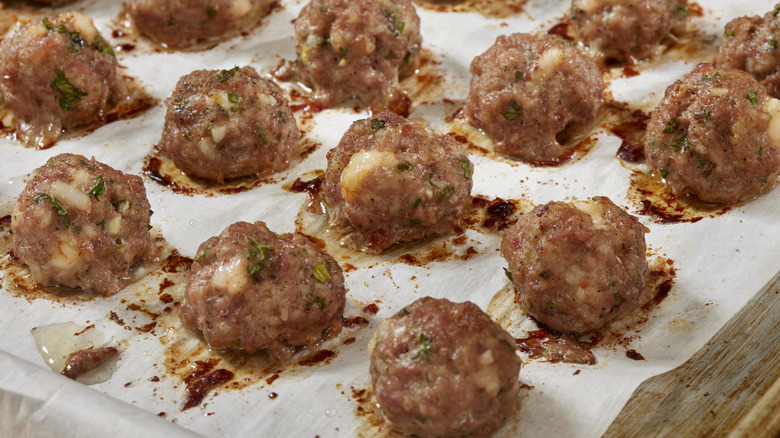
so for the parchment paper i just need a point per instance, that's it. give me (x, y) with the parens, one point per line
(721, 262)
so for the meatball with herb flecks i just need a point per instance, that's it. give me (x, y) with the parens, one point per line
(357, 48)
(394, 180)
(533, 95)
(751, 44)
(225, 124)
(185, 23)
(57, 74)
(578, 266)
(252, 289)
(80, 223)
(627, 29)
(444, 369)
(715, 135)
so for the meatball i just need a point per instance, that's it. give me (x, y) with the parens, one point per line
(440, 369)
(579, 266)
(393, 180)
(357, 48)
(57, 74)
(185, 23)
(225, 124)
(750, 44)
(252, 289)
(628, 29)
(715, 135)
(532, 94)
(80, 223)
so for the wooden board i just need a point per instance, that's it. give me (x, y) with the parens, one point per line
(730, 388)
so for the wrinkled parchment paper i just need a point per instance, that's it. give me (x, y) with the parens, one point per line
(721, 262)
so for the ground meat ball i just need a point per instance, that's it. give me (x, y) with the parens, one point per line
(579, 266)
(715, 135)
(57, 74)
(750, 44)
(392, 180)
(444, 369)
(184, 23)
(82, 224)
(532, 93)
(627, 29)
(252, 289)
(225, 124)
(357, 48)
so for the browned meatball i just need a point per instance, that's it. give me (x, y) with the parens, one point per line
(394, 180)
(225, 124)
(184, 23)
(82, 224)
(627, 29)
(252, 289)
(57, 74)
(532, 94)
(750, 44)
(577, 267)
(442, 369)
(357, 48)
(715, 135)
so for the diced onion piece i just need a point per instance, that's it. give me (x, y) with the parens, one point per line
(360, 166)
(217, 133)
(65, 256)
(240, 8)
(113, 226)
(69, 195)
(550, 61)
(720, 92)
(595, 211)
(231, 276)
(773, 107)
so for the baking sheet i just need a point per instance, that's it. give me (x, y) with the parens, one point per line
(721, 262)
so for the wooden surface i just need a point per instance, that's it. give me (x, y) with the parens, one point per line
(730, 388)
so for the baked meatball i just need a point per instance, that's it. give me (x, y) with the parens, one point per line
(627, 29)
(715, 135)
(442, 369)
(225, 124)
(357, 48)
(394, 180)
(185, 23)
(80, 223)
(579, 266)
(532, 94)
(252, 289)
(57, 74)
(750, 44)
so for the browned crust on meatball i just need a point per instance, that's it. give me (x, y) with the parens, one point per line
(252, 289)
(709, 136)
(751, 44)
(532, 94)
(349, 48)
(440, 369)
(223, 124)
(82, 224)
(418, 190)
(576, 271)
